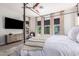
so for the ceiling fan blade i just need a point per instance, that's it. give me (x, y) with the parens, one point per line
(35, 5)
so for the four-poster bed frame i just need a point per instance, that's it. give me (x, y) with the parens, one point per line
(24, 17)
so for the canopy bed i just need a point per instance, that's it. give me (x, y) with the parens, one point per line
(57, 45)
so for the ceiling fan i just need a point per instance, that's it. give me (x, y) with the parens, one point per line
(33, 7)
(36, 5)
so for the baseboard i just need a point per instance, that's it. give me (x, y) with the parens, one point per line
(10, 43)
(14, 41)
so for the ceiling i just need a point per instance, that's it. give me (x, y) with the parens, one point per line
(46, 8)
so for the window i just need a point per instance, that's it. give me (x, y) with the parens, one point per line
(56, 29)
(47, 30)
(56, 25)
(39, 27)
(47, 22)
(47, 26)
(56, 21)
(39, 23)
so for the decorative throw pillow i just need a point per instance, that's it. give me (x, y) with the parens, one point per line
(72, 34)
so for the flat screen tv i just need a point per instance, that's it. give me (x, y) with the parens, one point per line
(11, 23)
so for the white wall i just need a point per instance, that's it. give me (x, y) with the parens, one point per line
(5, 12)
(69, 20)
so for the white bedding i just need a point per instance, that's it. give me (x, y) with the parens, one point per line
(57, 45)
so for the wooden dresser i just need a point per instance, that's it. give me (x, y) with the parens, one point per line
(13, 38)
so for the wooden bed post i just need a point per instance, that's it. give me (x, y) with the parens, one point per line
(24, 22)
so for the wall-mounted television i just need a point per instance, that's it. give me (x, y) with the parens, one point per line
(11, 23)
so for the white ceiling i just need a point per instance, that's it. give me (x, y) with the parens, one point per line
(47, 8)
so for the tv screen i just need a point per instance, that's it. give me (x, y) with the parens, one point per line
(13, 23)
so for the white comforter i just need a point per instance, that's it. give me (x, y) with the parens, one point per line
(57, 45)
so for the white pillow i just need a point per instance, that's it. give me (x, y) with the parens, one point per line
(77, 39)
(72, 34)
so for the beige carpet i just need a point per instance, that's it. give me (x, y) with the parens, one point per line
(14, 48)
(5, 47)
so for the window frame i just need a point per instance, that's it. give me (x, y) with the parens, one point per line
(47, 25)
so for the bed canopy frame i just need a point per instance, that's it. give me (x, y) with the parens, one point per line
(24, 16)
(33, 10)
